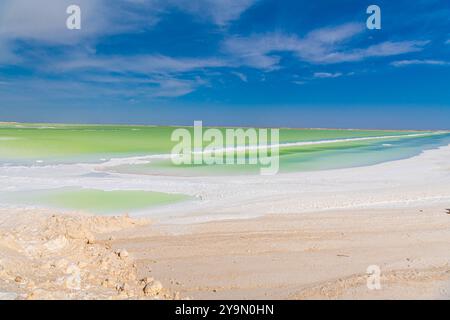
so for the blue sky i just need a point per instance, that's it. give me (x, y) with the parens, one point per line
(227, 62)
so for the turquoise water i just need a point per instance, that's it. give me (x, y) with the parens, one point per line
(91, 200)
(363, 154)
(309, 158)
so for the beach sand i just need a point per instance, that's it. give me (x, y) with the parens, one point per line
(305, 256)
(299, 236)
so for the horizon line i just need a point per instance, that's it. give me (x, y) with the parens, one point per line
(216, 126)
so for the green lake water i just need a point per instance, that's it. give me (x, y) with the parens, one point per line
(37, 146)
(95, 201)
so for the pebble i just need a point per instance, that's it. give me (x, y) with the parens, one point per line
(123, 254)
(153, 288)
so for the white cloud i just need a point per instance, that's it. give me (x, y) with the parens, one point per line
(98, 87)
(390, 48)
(256, 51)
(321, 46)
(323, 75)
(145, 75)
(404, 63)
(260, 50)
(221, 12)
(383, 49)
(170, 87)
(140, 64)
(141, 75)
(241, 76)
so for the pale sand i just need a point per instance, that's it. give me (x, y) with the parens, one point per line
(305, 256)
(392, 215)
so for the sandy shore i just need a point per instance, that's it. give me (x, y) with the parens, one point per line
(299, 236)
(305, 256)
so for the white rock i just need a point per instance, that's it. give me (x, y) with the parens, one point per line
(123, 254)
(56, 244)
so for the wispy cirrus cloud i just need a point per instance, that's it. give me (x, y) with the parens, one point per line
(384, 49)
(97, 87)
(156, 86)
(140, 64)
(240, 75)
(221, 12)
(324, 75)
(145, 75)
(404, 63)
(321, 46)
(172, 87)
